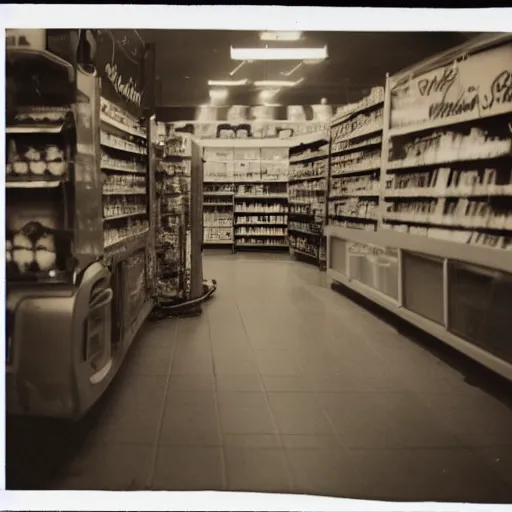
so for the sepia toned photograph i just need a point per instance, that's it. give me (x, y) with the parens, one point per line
(259, 261)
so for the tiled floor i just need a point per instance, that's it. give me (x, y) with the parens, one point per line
(283, 385)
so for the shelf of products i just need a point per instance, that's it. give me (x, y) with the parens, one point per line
(240, 179)
(453, 183)
(218, 196)
(114, 116)
(124, 175)
(440, 209)
(39, 167)
(261, 243)
(173, 190)
(262, 220)
(355, 161)
(307, 189)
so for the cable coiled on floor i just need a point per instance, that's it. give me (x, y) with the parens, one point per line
(188, 308)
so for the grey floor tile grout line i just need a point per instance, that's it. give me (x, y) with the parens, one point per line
(277, 431)
(151, 476)
(324, 412)
(217, 411)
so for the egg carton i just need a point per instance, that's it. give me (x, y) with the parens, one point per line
(50, 160)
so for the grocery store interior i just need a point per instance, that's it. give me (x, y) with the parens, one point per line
(259, 261)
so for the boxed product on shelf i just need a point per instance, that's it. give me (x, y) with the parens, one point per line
(450, 146)
(123, 206)
(124, 184)
(114, 115)
(304, 244)
(375, 97)
(246, 170)
(338, 146)
(363, 124)
(218, 219)
(354, 162)
(308, 169)
(310, 153)
(218, 171)
(211, 188)
(312, 191)
(275, 190)
(247, 154)
(121, 143)
(178, 144)
(261, 220)
(359, 185)
(305, 227)
(134, 227)
(217, 234)
(261, 242)
(269, 231)
(260, 207)
(354, 207)
(274, 171)
(218, 154)
(274, 154)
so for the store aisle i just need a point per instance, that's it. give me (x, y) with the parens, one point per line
(283, 385)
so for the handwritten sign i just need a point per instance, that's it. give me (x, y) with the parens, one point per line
(119, 61)
(480, 86)
(33, 39)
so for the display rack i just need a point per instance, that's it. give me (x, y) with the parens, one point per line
(178, 225)
(218, 196)
(245, 194)
(77, 223)
(441, 256)
(307, 190)
(173, 172)
(124, 165)
(355, 160)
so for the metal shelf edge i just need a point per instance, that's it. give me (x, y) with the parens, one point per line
(490, 258)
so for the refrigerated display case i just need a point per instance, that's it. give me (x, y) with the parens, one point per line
(76, 237)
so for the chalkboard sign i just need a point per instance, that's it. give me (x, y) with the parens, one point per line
(119, 62)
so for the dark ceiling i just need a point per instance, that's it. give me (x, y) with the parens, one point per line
(187, 59)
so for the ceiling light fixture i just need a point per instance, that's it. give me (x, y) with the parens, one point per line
(228, 83)
(267, 94)
(295, 68)
(280, 36)
(279, 53)
(237, 68)
(277, 83)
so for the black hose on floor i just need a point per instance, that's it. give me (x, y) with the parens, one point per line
(189, 308)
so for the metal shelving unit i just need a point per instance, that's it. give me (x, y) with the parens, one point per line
(440, 256)
(307, 191)
(245, 194)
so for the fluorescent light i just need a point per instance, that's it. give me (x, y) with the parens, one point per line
(228, 83)
(277, 83)
(231, 73)
(267, 94)
(279, 53)
(280, 36)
